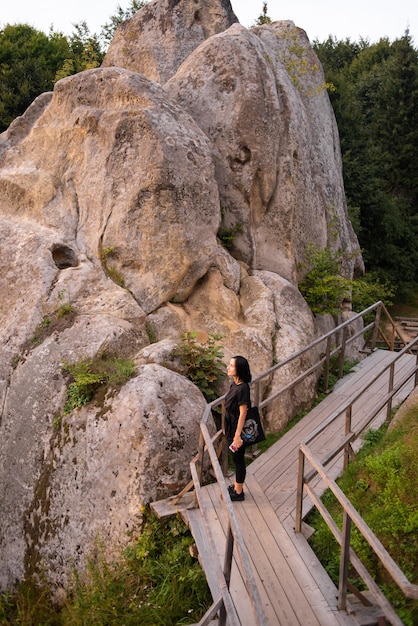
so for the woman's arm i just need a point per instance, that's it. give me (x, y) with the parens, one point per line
(242, 415)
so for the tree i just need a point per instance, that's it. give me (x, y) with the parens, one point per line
(376, 106)
(29, 61)
(263, 18)
(85, 52)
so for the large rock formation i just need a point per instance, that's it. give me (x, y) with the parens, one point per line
(113, 190)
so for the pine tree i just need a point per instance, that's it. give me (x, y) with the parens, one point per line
(263, 18)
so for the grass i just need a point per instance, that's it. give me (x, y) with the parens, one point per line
(155, 582)
(382, 486)
(409, 308)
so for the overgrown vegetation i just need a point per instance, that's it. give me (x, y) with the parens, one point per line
(325, 288)
(155, 582)
(108, 256)
(91, 375)
(202, 362)
(63, 317)
(382, 486)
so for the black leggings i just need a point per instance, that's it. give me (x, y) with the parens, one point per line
(239, 461)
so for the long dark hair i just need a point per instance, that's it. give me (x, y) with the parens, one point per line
(242, 369)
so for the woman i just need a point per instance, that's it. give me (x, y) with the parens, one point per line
(237, 402)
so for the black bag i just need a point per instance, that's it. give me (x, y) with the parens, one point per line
(253, 431)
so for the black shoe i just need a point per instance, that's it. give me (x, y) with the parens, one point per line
(231, 489)
(236, 497)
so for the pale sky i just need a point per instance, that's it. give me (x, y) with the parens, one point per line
(370, 19)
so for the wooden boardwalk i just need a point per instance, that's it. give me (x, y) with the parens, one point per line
(294, 588)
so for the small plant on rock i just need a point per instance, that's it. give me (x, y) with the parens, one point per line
(202, 362)
(90, 375)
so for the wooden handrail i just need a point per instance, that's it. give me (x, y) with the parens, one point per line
(223, 604)
(349, 512)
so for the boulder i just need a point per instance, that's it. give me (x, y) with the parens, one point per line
(67, 488)
(275, 145)
(159, 37)
(175, 188)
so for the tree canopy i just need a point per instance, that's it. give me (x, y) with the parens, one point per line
(375, 89)
(32, 61)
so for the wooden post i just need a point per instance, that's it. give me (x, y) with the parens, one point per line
(345, 551)
(389, 406)
(224, 457)
(299, 493)
(416, 373)
(348, 413)
(229, 550)
(376, 326)
(342, 353)
(326, 368)
(199, 463)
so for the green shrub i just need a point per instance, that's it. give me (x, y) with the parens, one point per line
(323, 288)
(227, 235)
(91, 375)
(369, 289)
(202, 362)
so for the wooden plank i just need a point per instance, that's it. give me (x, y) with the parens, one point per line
(170, 506)
(213, 545)
(194, 520)
(312, 564)
(218, 526)
(277, 578)
(282, 459)
(299, 583)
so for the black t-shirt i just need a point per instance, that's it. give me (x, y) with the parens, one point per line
(236, 396)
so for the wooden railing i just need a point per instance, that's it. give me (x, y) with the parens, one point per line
(350, 515)
(328, 348)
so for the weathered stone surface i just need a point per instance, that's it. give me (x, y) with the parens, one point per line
(276, 145)
(112, 192)
(92, 478)
(159, 37)
(113, 164)
(295, 328)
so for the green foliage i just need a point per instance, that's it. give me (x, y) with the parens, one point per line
(202, 362)
(368, 289)
(154, 581)
(29, 60)
(106, 255)
(263, 18)
(382, 486)
(227, 235)
(85, 52)
(323, 287)
(90, 375)
(376, 106)
(150, 330)
(30, 605)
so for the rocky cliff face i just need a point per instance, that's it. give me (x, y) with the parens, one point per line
(113, 189)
